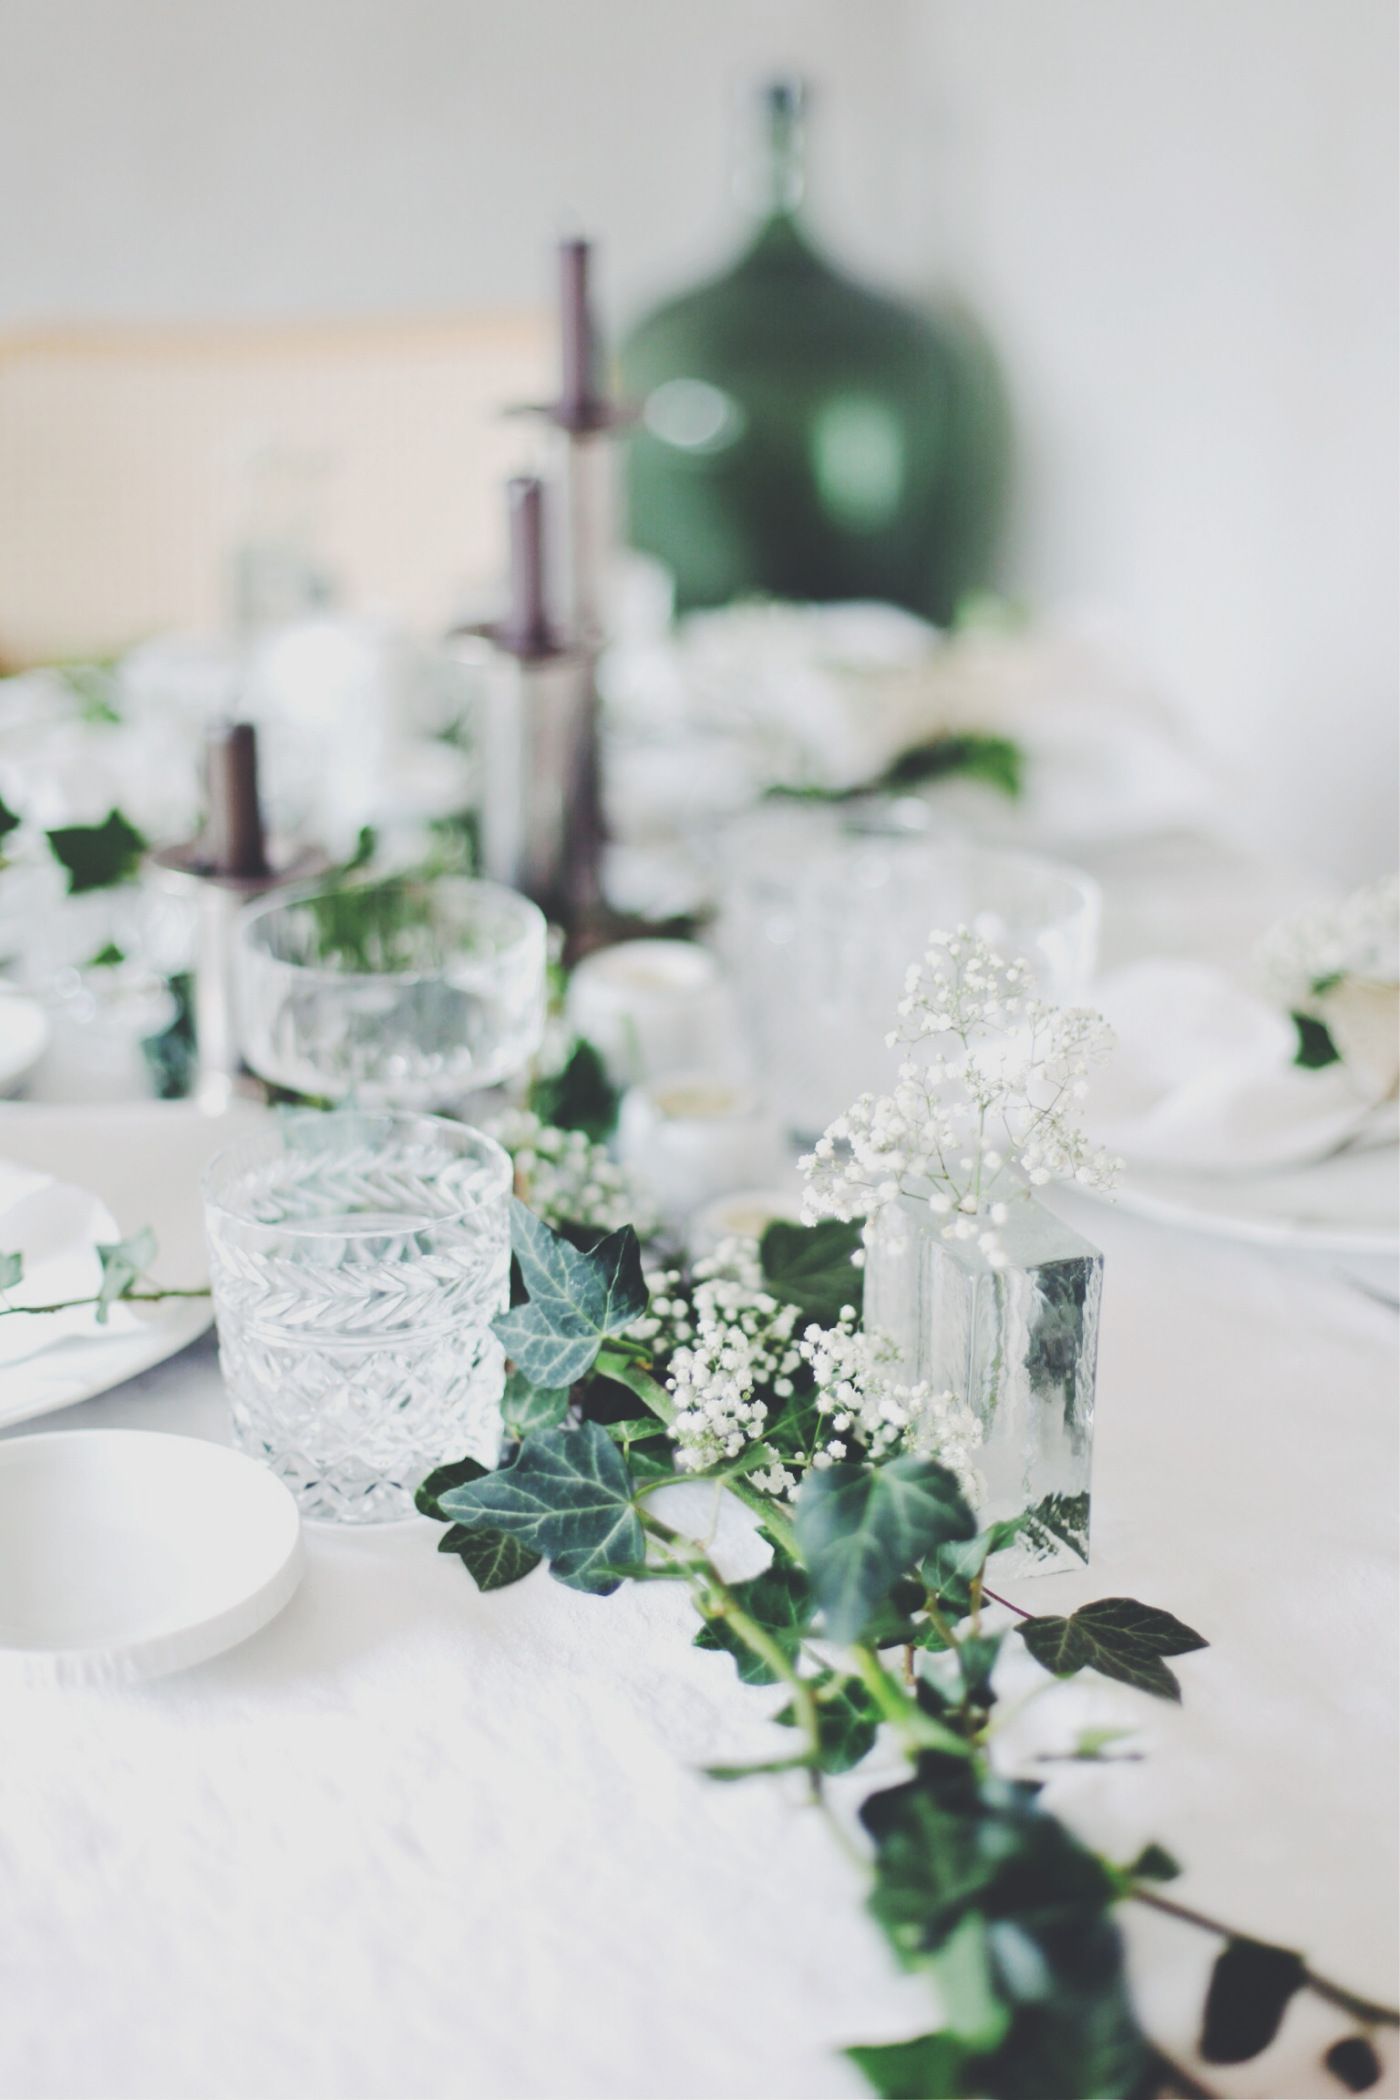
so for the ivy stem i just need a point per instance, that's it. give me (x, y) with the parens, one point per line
(1005, 1603)
(123, 1298)
(721, 1603)
(625, 1370)
(1182, 2080)
(1349, 2001)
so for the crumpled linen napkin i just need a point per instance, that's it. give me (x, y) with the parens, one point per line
(1204, 1078)
(56, 1227)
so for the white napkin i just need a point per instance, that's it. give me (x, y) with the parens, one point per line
(1204, 1079)
(56, 1227)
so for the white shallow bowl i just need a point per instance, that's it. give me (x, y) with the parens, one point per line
(126, 1554)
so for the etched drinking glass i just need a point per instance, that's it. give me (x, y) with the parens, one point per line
(357, 1262)
(820, 921)
(393, 994)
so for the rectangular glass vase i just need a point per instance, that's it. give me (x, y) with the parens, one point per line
(1018, 1343)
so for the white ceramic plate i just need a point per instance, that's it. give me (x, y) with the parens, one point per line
(1346, 1205)
(127, 1554)
(144, 1160)
(24, 1031)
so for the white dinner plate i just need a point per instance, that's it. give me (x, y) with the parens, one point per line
(1349, 1204)
(24, 1031)
(127, 1554)
(144, 1160)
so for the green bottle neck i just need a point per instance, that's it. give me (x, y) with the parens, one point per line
(774, 183)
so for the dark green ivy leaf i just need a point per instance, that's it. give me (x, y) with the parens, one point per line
(948, 1839)
(526, 1408)
(1354, 2063)
(576, 1299)
(779, 1601)
(566, 1495)
(810, 1266)
(124, 1262)
(491, 1559)
(11, 1271)
(1315, 1045)
(580, 1097)
(859, 1528)
(1116, 1636)
(994, 760)
(930, 2067)
(950, 1571)
(8, 820)
(977, 1655)
(848, 1721)
(439, 1480)
(1250, 1987)
(98, 855)
(1154, 1863)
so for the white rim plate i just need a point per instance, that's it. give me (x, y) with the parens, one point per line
(126, 1554)
(1344, 1205)
(24, 1032)
(144, 1160)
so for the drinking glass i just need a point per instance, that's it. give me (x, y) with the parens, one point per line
(357, 1261)
(396, 994)
(821, 918)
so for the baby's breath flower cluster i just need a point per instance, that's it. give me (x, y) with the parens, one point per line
(1305, 956)
(738, 1349)
(567, 1179)
(733, 1359)
(987, 1101)
(860, 1395)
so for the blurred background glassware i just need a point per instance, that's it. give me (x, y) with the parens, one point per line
(822, 913)
(398, 993)
(803, 435)
(357, 1261)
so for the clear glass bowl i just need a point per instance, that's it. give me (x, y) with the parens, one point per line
(819, 921)
(357, 1261)
(397, 993)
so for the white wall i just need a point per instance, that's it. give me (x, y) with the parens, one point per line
(1179, 217)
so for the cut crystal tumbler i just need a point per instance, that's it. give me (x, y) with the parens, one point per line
(357, 1261)
(396, 994)
(1018, 1343)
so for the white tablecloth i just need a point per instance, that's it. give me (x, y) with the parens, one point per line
(414, 1841)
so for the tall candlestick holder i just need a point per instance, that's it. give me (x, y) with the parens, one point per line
(583, 425)
(221, 870)
(540, 830)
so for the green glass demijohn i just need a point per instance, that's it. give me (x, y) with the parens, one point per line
(803, 436)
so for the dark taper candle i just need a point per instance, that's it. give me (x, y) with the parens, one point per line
(525, 630)
(233, 842)
(578, 348)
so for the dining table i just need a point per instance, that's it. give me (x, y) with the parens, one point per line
(412, 1839)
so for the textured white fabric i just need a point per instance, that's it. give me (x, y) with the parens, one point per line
(412, 1841)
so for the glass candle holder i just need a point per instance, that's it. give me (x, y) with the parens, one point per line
(1018, 1343)
(820, 922)
(692, 1136)
(650, 1007)
(397, 994)
(357, 1261)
